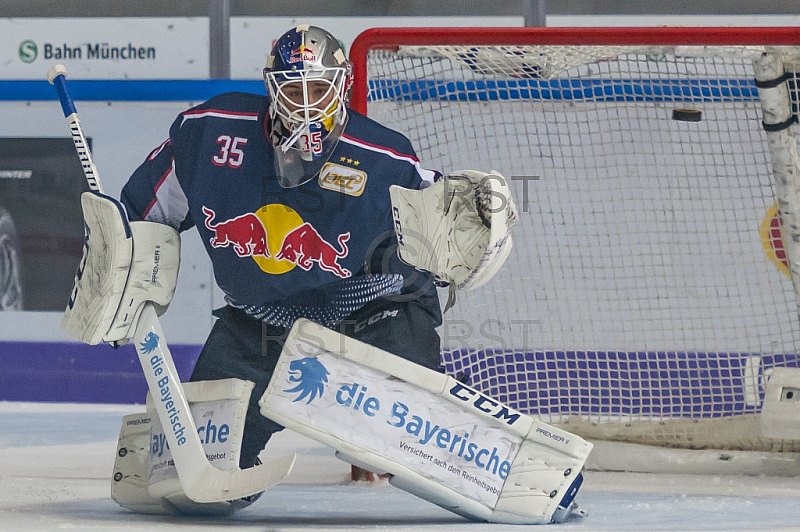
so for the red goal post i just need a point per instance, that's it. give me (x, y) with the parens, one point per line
(653, 287)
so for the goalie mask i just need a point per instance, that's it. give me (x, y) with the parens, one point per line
(307, 78)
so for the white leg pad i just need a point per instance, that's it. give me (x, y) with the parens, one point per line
(145, 479)
(132, 468)
(441, 440)
(780, 412)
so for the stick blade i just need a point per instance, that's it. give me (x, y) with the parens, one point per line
(214, 485)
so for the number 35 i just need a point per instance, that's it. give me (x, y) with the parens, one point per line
(230, 152)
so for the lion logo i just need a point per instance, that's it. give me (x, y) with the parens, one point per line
(310, 376)
(150, 343)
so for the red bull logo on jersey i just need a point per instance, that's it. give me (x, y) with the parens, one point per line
(278, 240)
(245, 233)
(304, 247)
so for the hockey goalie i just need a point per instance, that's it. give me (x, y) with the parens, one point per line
(329, 241)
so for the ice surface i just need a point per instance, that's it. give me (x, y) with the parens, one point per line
(56, 462)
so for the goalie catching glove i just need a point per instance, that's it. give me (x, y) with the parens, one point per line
(124, 265)
(459, 228)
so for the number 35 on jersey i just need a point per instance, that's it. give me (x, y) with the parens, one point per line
(230, 152)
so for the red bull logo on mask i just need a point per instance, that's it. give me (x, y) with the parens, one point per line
(278, 239)
(302, 54)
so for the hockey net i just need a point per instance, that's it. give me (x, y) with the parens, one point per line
(648, 296)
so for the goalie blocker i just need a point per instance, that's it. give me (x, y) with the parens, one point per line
(115, 278)
(439, 439)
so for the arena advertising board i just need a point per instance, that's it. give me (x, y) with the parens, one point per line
(170, 48)
(41, 224)
(105, 48)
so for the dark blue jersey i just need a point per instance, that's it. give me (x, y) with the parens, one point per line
(321, 250)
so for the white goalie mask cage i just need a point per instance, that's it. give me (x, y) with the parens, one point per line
(307, 78)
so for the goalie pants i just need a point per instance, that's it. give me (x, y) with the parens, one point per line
(244, 348)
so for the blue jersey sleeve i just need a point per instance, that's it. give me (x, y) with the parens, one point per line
(418, 177)
(154, 192)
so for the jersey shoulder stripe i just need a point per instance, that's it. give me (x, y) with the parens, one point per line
(218, 113)
(428, 177)
(380, 149)
(229, 105)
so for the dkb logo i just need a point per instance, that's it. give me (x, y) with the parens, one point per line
(28, 51)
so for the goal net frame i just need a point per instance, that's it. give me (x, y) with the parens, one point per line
(694, 425)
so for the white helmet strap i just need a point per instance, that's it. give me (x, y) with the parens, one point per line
(293, 138)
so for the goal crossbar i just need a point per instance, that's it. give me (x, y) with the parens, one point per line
(391, 38)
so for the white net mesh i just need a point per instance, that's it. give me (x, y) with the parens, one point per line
(646, 287)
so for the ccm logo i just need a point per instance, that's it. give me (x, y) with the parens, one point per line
(398, 229)
(484, 404)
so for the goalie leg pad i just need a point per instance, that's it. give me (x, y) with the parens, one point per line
(145, 479)
(131, 468)
(441, 440)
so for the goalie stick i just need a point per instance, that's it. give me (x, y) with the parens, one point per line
(201, 481)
